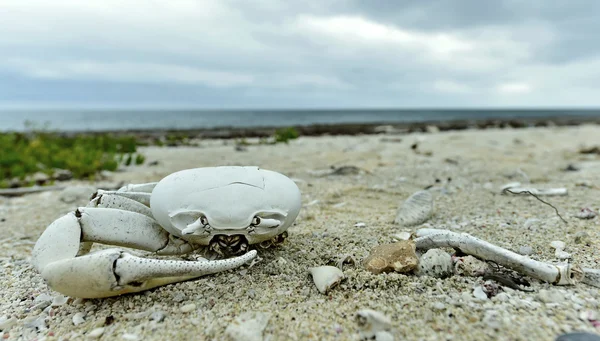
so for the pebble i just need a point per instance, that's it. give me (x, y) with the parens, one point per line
(158, 316)
(130, 337)
(526, 250)
(370, 322)
(249, 326)
(586, 213)
(95, 333)
(400, 257)
(179, 297)
(581, 237)
(6, 322)
(435, 263)
(384, 336)
(360, 225)
(59, 300)
(188, 308)
(558, 244)
(402, 236)
(438, 306)
(479, 293)
(78, 318)
(416, 210)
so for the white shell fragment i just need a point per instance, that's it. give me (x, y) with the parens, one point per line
(416, 210)
(586, 213)
(326, 277)
(470, 266)
(371, 322)
(479, 293)
(59, 300)
(402, 236)
(435, 263)
(78, 318)
(248, 326)
(95, 333)
(538, 191)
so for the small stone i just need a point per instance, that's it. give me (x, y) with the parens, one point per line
(402, 236)
(384, 336)
(558, 245)
(470, 266)
(188, 308)
(78, 318)
(6, 323)
(435, 263)
(479, 293)
(578, 336)
(179, 297)
(562, 254)
(526, 250)
(158, 316)
(59, 300)
(62, 175)
(249, 326)
(326, 277)
(370, 322)
(95, 333)
(40, 178)
(360, 225)
(438, 306)
(400, 257)
(130, 337)
(586, 213)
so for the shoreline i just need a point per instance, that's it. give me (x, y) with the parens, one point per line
(229, 132)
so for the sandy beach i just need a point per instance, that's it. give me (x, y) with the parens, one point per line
(464, 170)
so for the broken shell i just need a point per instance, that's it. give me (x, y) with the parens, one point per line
(402, 236)
(416, 209)
(586, 213)
(326, 277)
(435, 263)
(470, 266)
(370, 322)
(400, 257)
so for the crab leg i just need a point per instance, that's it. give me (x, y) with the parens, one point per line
(113, 272)
(556, 274)
(119, 202)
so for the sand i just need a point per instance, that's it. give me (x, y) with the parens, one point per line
(466, 169)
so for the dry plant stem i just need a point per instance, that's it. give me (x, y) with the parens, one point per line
(565, 274)
(538, 198)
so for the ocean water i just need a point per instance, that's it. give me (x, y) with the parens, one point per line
(101, 120)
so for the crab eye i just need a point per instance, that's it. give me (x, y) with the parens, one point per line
(203, 220)
(256, 221)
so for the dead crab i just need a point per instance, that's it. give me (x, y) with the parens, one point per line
(225, 208)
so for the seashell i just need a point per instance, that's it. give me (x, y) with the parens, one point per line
(326, 277)
(400, 257)
(470, 266)
(78, 318)
(371, 322)
(435, 263)
(416, 210)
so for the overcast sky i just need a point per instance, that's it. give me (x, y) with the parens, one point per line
(299, 54)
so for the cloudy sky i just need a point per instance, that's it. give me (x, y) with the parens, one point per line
(299, 54)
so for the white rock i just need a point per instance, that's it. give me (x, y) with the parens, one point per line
(78, 318)
(558, 244)
(59, 300)
(479, 293)
(525, 250)
(371, 322)
(562, 254)
(402, 236)
(438, 306)
(435, 263)
(360, 225)
(130, 337)
(416, 210)
(326, 277)
(249, 326)
(95, 333)
(188, 308)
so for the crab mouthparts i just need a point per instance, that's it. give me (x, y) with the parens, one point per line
(229, 245)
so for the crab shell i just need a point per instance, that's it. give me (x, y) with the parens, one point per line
(229, 199)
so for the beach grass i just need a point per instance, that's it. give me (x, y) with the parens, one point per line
(25, 154)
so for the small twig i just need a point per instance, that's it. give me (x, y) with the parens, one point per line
(538, 198)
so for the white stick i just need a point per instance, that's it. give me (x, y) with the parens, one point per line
(565, 274)
(538, 191)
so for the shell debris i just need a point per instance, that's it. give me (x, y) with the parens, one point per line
(400, 257)
(416, 210)
(326, 277)
(371, 323)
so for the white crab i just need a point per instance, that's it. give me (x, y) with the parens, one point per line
(224, 208)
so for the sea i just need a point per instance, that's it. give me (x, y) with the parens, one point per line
(114, 119)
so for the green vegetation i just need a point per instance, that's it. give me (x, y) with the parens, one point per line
(286, 134)
(24, 154)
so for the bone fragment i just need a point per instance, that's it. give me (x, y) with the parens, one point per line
(565, 274)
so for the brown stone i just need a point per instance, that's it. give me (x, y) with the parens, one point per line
(400, 257)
